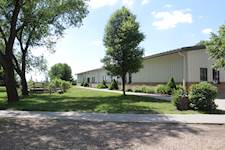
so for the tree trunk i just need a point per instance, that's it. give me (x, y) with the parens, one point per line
(10, 81)
(123, 84)
(23, 76)
(25, 91)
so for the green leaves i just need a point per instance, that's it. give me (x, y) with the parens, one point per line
(122, 38)
(61, 71)
(216, 48)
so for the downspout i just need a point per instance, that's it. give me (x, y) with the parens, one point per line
(184, 69)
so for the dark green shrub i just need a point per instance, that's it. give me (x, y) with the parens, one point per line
(114, 85)
(102, 85)
(202, 96)
(86, 84)
(129, 90)
(171, 85)
(138, 89)
(150, 90)
(162, 89)
(82, 84)
(180, 100)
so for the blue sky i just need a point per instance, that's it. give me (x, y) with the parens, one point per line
(167, 24)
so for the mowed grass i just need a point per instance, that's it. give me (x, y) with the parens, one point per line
(83, 100)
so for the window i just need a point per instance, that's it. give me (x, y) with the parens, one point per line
(203, 74)
(216, 76)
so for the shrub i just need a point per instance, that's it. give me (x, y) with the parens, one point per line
(171, 85)
(114, 85)
(180, 99)
(102, 85)
(86, 84)
(202, 96)
(129, 90)
(138, 89)
(58, 83)
(162, 89)
(82, 84)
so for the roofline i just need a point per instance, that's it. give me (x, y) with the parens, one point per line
(182, 49)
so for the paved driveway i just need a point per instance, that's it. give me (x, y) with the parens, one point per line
(67, 134)
(220, 103)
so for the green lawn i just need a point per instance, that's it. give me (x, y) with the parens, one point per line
(83, 100)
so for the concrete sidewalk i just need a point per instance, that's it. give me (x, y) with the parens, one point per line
(100, 117)
(157, 96)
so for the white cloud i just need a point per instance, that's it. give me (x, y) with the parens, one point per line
(207, 31)
(169, 19)
(94, 4)
(97, 43)
(128, 3)
(168, 6)
(144, 2)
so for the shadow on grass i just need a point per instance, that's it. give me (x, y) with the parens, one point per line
(67, 134)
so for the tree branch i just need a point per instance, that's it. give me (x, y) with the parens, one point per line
(16, 65)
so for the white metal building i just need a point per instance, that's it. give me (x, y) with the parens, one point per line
(186, 65)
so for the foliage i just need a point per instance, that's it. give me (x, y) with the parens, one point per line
(102, 85)
(121, 39)
(86, 84)
(145, 89)
(129, 90)
(82, 84)
(162, 89)
(58, 83)
(61, 71)
(216, 48)
(202, 96)
(172, 85)
(113, 85)
(1, 76)
(180, 100)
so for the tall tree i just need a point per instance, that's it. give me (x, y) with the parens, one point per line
(42, 23)
(9, 14)
(61, 71)
(121, 39)
(216, 48)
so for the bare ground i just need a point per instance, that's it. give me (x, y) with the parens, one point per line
(67, 134)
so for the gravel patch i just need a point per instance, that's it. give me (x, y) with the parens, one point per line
(17, 134)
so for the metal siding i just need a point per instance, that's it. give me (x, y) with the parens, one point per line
(160, 69)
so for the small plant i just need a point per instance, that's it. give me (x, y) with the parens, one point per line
(202, 96)
(162, 89)
(171, 85)
(114, 85)
(180, 99)
(102, 85)
(86, 84)
(129, 90)
(82, 84)
(58, 84)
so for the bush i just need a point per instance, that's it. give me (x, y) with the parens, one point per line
(82, 84)
(114, 85)
(145, 89)
(171, 85)
(102, 85)
(202, 96)
(180, 99)
(162, 89)
(129, 90)
(58, 83)
(86, 84)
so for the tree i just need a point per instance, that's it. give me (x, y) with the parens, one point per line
(121, 39)
(9, 14)
(61, 71)
(216, 48)
(43, 23)
(33, 23)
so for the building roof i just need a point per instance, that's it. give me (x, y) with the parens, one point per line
(182, 49)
